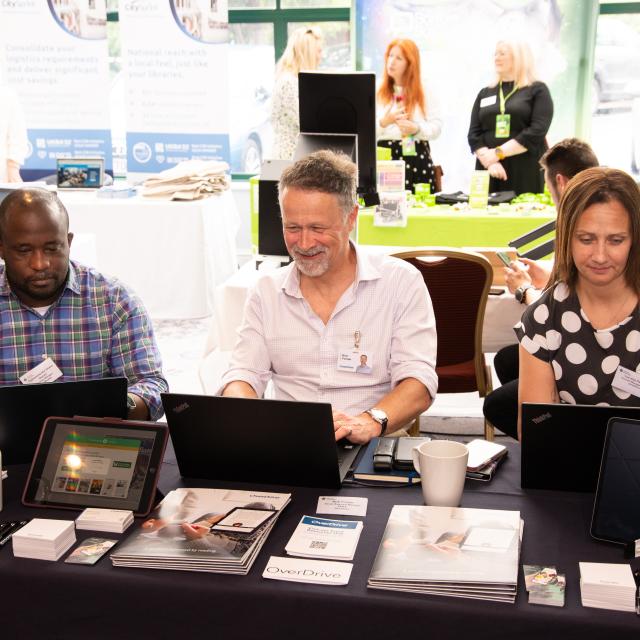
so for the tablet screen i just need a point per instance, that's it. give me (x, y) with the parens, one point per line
(616, 512)
(84, 463)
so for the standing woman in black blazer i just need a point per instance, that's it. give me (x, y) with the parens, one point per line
(510, 120)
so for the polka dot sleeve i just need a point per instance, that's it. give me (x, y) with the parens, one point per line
(537, 331)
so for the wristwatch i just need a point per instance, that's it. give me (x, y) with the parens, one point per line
(500, 153)
(521, 293)
(380, 417)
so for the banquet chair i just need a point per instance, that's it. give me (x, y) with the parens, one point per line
(458, 282)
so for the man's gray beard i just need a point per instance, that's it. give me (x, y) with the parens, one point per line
(312, 269)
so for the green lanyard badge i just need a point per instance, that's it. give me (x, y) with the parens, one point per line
(503, 120)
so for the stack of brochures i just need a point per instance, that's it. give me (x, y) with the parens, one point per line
(111, 520)
(464, 553)
(607, 586)
(324, 538)
(44, 539)
(216, 530)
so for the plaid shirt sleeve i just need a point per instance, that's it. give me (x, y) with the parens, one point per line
(135, 354)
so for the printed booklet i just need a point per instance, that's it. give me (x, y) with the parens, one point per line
(215, 530)
(459, 552)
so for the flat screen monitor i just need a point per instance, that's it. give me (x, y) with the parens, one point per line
(343, 103)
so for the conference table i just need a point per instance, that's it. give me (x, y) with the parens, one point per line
(57, 600)
(173, 254)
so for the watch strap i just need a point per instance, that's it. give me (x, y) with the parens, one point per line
(383, 422)
(521, 293)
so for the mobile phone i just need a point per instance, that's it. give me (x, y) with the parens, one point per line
(244, 520)
(482, 452)
(383, 454)
(504, 258)
(403, 458)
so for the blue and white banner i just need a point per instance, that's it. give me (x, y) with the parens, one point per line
(53, 53)
(176, 71)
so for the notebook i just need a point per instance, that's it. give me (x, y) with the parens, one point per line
(24, 408)
(562, 444)
(259, 441)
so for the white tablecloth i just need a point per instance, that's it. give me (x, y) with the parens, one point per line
(173, 254)
(502, 312)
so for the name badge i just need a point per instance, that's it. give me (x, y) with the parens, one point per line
(355, 361)
(488, 101)
(627, 380)
(46, 371)
(503, 125)
(409, 146)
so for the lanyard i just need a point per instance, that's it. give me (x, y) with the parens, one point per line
(503, 100)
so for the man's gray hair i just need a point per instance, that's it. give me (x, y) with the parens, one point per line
(324, 171)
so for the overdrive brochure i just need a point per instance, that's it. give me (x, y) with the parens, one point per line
(471, 553)
(186, 531)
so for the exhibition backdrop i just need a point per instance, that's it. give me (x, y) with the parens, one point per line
(54, 55)
(176, 82)
(457, 40)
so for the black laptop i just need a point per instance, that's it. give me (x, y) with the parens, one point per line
(260, 441)
(24, 408)
(562, 444)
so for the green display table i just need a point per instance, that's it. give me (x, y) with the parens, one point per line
(444, 226)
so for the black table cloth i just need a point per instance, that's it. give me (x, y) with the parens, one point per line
(57, 600)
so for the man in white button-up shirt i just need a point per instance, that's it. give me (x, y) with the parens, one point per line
(307, 326)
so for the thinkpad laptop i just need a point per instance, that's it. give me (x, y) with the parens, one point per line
(260, 441)
(562, 444)
(24, 408)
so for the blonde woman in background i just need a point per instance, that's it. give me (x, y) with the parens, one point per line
(303, 53)
(510, 120)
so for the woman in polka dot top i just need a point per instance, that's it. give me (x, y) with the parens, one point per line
(586, 325)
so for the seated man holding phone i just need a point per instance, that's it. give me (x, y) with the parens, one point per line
(62, 320)
(308, 326)
(527, 278)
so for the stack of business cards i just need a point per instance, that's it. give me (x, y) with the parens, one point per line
(607, 586)
(544, 585)
(110, 520)
(323, 538)
(44, 539)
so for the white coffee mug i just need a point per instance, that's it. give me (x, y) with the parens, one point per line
(442, 465)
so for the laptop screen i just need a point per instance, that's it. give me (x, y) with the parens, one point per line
(80, 173)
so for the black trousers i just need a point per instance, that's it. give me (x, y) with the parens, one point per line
(501, 405)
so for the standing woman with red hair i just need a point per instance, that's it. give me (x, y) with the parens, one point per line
(406, 119)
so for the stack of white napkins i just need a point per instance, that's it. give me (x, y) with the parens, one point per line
(324, 538)
(111, 520)
(189, 180)
(44, 539)
(607, 586)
